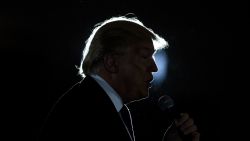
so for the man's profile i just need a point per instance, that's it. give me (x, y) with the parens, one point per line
(116, 67)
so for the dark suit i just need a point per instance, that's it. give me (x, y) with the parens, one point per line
(150, 123)
(85, 112)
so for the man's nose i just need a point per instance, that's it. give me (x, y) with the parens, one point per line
(153, 67)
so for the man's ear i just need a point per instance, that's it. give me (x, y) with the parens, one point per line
(110, 63)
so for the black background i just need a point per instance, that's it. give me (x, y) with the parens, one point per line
(41, 47)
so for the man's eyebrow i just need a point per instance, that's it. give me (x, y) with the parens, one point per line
(151, 51)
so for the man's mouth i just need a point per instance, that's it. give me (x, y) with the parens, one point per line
(148, 84)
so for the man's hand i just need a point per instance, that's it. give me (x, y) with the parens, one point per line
(186, 125)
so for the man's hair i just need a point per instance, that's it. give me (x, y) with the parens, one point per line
(113, 36)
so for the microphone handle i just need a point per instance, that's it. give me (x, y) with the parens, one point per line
(175, 115)
(184, 137)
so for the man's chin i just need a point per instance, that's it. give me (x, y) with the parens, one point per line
(141, 98)
(144, 93)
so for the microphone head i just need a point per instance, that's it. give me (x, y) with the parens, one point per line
(165, 102)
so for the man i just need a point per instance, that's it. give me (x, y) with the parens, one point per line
(117, 68)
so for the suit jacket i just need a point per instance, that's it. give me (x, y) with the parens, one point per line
(150, 122)
(83, 113)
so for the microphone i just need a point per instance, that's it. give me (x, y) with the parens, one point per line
(167, 105)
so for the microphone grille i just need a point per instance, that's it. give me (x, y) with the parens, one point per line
(165, 102)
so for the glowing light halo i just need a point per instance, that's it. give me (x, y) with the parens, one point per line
(161, 60)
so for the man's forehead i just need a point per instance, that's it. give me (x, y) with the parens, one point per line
(147, 46)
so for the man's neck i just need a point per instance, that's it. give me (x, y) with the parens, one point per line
(113, 95)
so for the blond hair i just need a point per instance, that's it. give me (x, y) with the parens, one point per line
(114, 35)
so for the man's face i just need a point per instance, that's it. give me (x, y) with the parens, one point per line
(135, 70)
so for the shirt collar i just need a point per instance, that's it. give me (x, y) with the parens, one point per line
(113, 95)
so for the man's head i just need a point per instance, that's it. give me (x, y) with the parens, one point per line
(121, 51)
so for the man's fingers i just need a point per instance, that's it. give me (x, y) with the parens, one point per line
(189, 130)
(184, 117)
(195, 136)
(187, 124)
